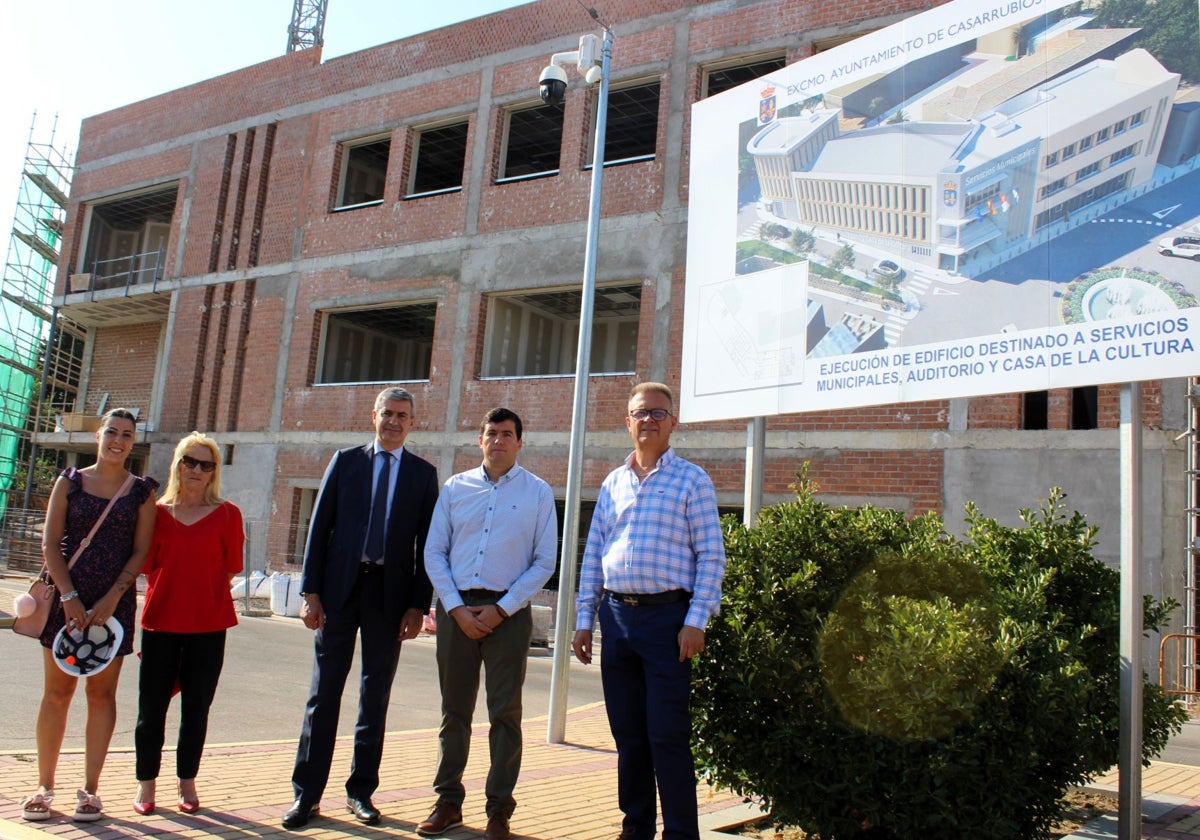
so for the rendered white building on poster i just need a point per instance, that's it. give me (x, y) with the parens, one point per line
(944, 193)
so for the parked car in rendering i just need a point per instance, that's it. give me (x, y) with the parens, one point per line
(1180, 246)
(888, 269)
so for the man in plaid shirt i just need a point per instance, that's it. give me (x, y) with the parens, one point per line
(652, 572)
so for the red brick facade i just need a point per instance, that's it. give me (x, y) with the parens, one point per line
(123, 363)
(258, 257)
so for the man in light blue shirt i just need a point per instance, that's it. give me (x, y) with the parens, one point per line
(492, 544)
(652, 573)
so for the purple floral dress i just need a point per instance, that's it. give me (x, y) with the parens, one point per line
(101, 563)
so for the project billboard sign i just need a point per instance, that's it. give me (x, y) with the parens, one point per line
(989, 197)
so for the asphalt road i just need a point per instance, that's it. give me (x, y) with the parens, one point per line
(264, 685)
(1185, 747)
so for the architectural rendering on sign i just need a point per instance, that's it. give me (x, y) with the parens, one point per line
(949, 189)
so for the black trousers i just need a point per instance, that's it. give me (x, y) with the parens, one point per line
(195, 661)
(363, 618)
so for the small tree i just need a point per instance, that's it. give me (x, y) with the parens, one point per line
(870, 676)
(804, 242)
(842, 258)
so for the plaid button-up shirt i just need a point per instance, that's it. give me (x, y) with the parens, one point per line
(654, 535)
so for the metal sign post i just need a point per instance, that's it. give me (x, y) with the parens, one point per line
(756, 444)
(1129, 762)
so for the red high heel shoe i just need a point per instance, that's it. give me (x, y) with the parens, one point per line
(188, 806)
(140, 807)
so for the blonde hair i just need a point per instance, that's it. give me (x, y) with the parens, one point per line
(212, 493)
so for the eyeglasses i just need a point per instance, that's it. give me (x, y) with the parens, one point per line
(190, 463)
(656, 414)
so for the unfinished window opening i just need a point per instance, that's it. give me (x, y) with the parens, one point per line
(537, 333)
(439, 157)
(303, 500)
(720, 79)
(364, 171)
(1084, 407)
(381, 344)
(1035, 410)
(532, 143)
(586, 509)
(128, 239)
(631, 133)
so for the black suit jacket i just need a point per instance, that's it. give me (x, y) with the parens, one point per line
(338, 531)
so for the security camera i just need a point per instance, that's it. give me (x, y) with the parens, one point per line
(552, 85)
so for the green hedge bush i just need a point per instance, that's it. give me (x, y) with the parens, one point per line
(871, 676)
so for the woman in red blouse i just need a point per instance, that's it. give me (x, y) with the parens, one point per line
(196, 551)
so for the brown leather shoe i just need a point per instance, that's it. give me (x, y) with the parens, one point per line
(445, 816)
(497, 828)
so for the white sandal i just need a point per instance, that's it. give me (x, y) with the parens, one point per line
(37, 807)
(88, 807)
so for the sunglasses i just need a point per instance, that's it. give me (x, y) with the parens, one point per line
(658, 414)
(188, 462)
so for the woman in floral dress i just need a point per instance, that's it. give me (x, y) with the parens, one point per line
(100, 585)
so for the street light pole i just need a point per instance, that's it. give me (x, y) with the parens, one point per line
(565, 612)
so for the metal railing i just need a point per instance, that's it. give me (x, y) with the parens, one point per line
(271, 548)
(125, 271)
(21, 539)
(1177, 667)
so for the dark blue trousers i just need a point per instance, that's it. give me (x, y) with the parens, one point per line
(646, 694)
(363, 616)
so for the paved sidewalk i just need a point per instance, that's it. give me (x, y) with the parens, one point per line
(566, 792)
(1170, 803)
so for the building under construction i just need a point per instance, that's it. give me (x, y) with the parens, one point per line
(256, 255)
(37, 387)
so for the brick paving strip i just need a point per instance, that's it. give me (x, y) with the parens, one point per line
(567, 791)
(1170, 801)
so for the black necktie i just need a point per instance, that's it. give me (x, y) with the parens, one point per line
(378, 527)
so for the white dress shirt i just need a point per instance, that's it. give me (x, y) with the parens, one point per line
(499, 535)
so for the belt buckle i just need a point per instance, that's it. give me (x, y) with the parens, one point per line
(628, 600)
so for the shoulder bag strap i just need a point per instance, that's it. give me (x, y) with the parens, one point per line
(88, 539)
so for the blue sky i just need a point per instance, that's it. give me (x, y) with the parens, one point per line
(75, 58)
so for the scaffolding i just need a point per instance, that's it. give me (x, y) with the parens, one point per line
(35, 385)
(1184, 652)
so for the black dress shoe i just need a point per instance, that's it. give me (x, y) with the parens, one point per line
(363, 810)
(300, 813)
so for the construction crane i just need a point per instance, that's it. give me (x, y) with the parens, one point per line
(307, 28)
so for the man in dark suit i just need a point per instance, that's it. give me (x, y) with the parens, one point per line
(364, 576)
